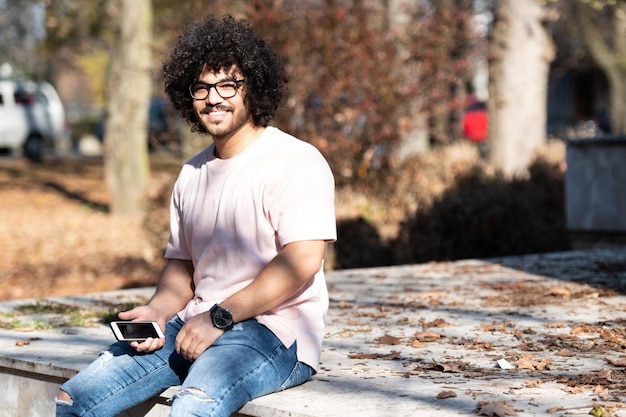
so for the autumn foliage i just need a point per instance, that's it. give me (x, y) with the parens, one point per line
(361, 75)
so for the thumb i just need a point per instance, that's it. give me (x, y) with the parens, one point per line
(127, 315)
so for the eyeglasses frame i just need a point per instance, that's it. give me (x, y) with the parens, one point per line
(214, 85)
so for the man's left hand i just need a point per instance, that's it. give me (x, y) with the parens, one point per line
(196, 336)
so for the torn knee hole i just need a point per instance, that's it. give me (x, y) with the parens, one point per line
(65, 397)
(194, 392)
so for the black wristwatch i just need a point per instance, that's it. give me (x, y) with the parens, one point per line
(221, 317)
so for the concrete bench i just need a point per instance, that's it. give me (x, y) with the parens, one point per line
(437, 339)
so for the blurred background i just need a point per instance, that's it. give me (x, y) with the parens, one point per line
(447, 124)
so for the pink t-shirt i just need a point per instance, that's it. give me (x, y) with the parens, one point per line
(232, 216)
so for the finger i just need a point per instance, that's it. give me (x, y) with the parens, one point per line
(129, 314)
(193, 348)
(179, 341)
(149, 345)
(189, 350)
(200, 348)
(143, 346)
(182, 345)
(125, 315)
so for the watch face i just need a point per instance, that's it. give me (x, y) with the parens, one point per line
(222, 318)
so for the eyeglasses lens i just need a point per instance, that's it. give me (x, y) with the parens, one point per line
(225, 89)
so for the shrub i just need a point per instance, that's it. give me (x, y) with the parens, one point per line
(486, 215)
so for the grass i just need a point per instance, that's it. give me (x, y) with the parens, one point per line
(50, 315)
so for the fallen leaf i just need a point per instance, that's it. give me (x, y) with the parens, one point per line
(446, 394)
(493, 327)
(584, 328)
(532, 384)
(392, 355)
(436, 323)
(613, 336)
(431, 294)
(440, 323)
(417, 344)
(565, 353)
(371, 314)
(25, 342)
(525, 363)
(544, 364)
(515, 286)
(598, 389)
(497, 409)
(621, 362)
(455, 366)
(388, 340)
(528, 362)
(555, 325)
(427, 336)
(559, 292)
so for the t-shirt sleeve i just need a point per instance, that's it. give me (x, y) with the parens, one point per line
(177, 243)
(304, 206)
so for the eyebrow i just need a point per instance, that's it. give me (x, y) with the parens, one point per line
(217, 82)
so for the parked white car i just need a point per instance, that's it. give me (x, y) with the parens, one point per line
(32, 117)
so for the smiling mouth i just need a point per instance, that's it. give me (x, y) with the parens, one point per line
(218, 110)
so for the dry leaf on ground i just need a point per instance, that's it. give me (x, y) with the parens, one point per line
(446, 394)
(435, 323)
(390, 356)
(389, 340)
(452, 366)
(620, 362)
(495, 409)
(417, 344)
(528, 362)
(427, 336)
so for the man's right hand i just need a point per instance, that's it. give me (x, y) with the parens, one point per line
(145, 313)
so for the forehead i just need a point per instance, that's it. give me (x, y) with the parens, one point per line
(209, 75)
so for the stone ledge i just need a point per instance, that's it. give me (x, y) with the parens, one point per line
(414, 338)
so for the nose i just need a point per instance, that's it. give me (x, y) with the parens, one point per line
(213, 96)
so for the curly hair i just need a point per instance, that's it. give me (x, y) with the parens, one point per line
(218, 44)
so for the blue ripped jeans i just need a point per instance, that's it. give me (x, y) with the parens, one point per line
(246, 362)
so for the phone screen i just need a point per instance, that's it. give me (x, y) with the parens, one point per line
(137, 330)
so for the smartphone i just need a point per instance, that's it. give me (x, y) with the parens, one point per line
(135, 331)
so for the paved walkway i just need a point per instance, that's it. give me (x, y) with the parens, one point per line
(528, 336)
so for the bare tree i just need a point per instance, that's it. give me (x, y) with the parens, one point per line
(520, 55)
(603, 25)
(20, 34)
(130, 89)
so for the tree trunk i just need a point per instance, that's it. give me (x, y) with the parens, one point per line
(609, 53)
(413, 130)
(520, 55)
(126, 138)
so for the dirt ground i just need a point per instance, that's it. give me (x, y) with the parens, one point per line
(57, 238)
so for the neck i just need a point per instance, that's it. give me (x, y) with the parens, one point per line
(228, 146)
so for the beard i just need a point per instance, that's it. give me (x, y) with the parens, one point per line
(225, 126)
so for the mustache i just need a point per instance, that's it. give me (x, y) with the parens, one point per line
(218, 107)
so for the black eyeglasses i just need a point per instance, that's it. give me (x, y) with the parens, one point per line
(226, 89)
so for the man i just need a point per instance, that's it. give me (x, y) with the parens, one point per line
(242, 297)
